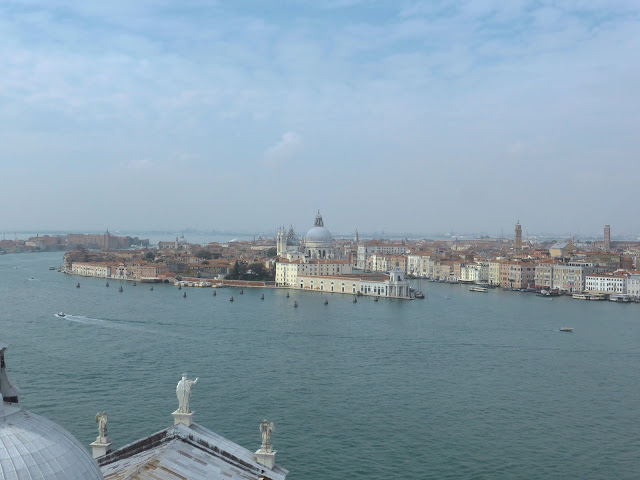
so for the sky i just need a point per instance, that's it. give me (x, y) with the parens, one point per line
(387, 115)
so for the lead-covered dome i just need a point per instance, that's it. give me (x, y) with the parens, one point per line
(35, 448)
(318, 234)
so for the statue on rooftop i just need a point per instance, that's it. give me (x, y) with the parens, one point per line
(101, 420)
(266, 429)
(183, 391)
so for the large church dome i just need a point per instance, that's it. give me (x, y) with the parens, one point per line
(318, 234)
(36, 448)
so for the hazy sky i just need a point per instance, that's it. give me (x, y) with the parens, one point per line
(392, 115)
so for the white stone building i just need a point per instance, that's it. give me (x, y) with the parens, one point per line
(607, 282)
(287, 272)
(91, 269)
(374, 247)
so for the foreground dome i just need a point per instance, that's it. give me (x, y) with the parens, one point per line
(35, 448)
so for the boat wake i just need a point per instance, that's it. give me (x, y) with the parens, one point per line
(98, 322)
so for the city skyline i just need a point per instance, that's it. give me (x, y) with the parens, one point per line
(387, 116)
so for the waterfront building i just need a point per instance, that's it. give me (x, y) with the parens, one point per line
(287, 271)
(474, 273)
(493, 274)
(633, 284)
(393, 284)
(91, 269)
(517, 274)
(366, 249)
(615, 282)
(570, 277)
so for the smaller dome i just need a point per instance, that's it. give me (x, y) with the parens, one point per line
(318, 235)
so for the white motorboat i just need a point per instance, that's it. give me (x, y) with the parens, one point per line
(478, 289)
(566, 329)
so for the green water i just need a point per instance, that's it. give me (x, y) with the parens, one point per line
(460, 385)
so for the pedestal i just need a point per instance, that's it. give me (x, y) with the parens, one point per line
(100, 447)
(184, 418)
(266, 458)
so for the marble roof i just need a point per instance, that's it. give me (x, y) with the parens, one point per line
(185, 452)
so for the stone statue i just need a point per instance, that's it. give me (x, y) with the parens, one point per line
(266, 429)
(101, 420)
(183, 391)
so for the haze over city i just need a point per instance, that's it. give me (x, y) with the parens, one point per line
(400, 116)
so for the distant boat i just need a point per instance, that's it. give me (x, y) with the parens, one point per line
(107, 284)
(295, 304)
(376, 299)
(120, 289)
(78, 285)
(478, 289)
(61, 314)
(52, 268)
(231, 299)
(419, 294)
(566, 329)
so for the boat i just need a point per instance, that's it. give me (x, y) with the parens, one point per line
(478, 289)
(262, 297)
(231, 299)
(52, 268)
(107, 284)
(419, 294)
(184, 295)
(295, 304)
(620, 297)
(120, 289)
(326, 302)
(61, 314)
(376, 299)
(566, 329)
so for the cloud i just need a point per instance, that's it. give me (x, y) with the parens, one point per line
(141, 164)
(286, 148)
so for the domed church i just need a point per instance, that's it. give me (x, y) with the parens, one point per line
(318, 242)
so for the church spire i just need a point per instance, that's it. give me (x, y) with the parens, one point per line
(318, 222)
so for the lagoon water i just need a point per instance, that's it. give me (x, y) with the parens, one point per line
(460, 385)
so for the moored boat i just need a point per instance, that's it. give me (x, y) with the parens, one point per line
(478, 289)
(566, 329)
